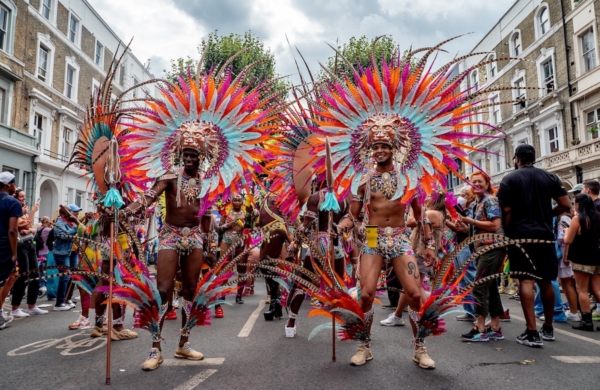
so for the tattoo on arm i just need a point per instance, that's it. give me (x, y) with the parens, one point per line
(413, 270)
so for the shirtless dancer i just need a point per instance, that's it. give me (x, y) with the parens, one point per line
(392, 244)
(180, 242)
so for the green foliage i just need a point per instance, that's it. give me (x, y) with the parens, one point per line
(218, 49)
(358, 52)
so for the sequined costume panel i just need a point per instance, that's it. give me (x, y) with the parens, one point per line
(183, 240)
(339, 252)
(230, 237)
(391, 243)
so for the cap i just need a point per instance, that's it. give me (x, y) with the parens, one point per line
(7, 178)
(577, 188)
(523, 150)
(74, 208)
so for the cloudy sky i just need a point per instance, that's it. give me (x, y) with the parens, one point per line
(166, 29)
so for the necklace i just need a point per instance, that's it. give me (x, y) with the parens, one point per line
(385, 182)
(190, 187)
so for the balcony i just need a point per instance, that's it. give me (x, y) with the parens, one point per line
(575, 155)
(18, 140)
(56, 156)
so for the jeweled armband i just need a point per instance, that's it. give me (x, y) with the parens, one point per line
(356, 198)
(311, 214)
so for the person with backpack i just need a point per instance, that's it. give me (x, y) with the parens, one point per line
(44, 242)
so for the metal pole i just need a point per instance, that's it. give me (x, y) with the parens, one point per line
(330, 254)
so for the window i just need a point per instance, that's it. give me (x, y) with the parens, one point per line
(592, 124)
(520, 94)
(99, 53)
(79, 199)
(478, 165)
(495, 110)
(492, 67)
(2, 107)
(516, 44)
(548, 75)
(27, 186)
(38, 128)
(67, 143)
(3, 27)
(46, 8)
(43, 63)
(475, 80)
(476, 126)
(588, 50)
(497, 163)
(70, 82)
(552, 139)
(122, 75)
(11, 170)
(544, 21)
(73, 28)
(453, 181)
(135, 82)
(95, 88)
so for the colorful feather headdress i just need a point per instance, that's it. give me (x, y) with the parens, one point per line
(214, 114)
(102, 125)
(420, 113)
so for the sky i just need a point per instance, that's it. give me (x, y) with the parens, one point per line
(168, 29)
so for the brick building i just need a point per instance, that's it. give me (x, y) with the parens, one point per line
(53, 55)
(547, 54)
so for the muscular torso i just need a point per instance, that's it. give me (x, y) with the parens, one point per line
(186, 215)
(383, 212)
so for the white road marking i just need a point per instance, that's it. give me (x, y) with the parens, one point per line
(196, 380)
(185, 362)
(577, 359)
(245, 332)
(556, 330)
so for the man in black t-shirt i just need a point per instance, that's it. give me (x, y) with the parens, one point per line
(10, 211)
(525, 196)
(592, 188)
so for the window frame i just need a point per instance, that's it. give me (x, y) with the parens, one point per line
(516, 81)
(136, 82)
(70, 62)
(474, 80)
(99, 57)
(590, 31)
(542, 26)
(492, 69)
(77, 38)
(516, 50)
(45, 60)
(44, 41)
(495, 109)
(38, 128)
(71, 142)
(595, 123)
(555, 140)
(6, 29)
(50, 9)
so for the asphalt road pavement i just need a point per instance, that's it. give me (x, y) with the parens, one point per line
(242, 351)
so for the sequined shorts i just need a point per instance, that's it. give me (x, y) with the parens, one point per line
(183, 240)
(391, 243)
(338, 250)
(230, 237)
(588, 269)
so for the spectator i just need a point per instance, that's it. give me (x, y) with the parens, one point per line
(592, 188)
(525, 196)
(44, 240)
(582, 249)
(565, 271)
(10, 211)
(486, 219)
(66, 227)
(463, 232)
(27, 262)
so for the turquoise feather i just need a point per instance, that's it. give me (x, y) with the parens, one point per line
(113, 198)
(330, 203)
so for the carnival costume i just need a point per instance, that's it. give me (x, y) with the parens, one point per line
(217, 116)
(420, 114)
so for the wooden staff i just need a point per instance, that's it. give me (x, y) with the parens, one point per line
(330, 254)
(110, 286)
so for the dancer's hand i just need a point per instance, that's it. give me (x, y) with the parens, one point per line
(428, 257)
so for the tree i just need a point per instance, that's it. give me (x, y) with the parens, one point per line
(358, 52)
(218, 49)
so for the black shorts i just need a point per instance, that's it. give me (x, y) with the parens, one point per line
(544, 259)
(6, 266)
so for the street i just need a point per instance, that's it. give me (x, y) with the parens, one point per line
(242, 351)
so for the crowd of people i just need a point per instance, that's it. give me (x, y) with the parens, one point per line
(529, 203)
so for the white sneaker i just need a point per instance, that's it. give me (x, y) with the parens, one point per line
(573, 316)
(36, 311)
(71, 303)
(63, 307)
(290, 333)
(19, 313)
(392, 320)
